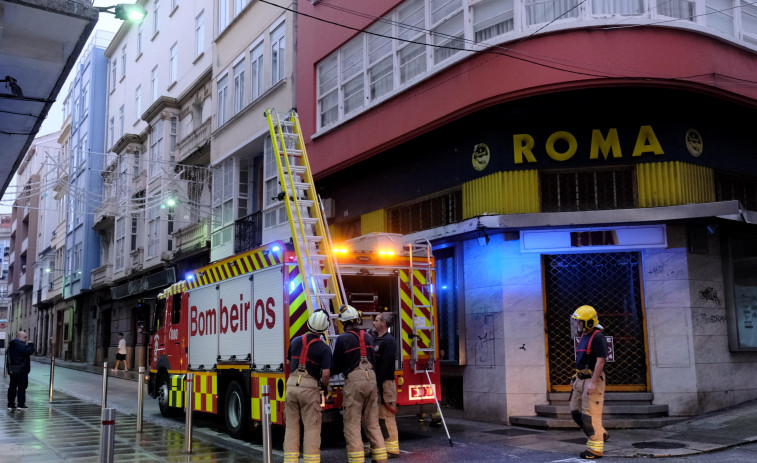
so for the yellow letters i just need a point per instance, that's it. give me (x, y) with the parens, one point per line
(607, 145)
(647, 142)
(522, 145)
(572, 146)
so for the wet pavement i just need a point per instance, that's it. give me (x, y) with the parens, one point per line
(68, 429)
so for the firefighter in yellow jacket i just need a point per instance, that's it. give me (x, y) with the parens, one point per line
(588, 394)
(310, 369)
(354, 356)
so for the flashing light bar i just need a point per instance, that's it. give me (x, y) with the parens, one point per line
(422, 391)
(384, 252)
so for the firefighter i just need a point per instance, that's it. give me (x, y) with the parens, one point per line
(310, 369)
(354, 356)
(588, 392)
(386, 351)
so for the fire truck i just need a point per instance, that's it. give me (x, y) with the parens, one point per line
(230, 324)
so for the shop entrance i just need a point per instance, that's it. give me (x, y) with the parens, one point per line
(611, 283)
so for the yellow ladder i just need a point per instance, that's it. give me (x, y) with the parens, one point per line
(310, 232)
(420, 287)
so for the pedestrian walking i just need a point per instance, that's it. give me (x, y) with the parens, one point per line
(121, 352)
(588, 392)
(354, 356)
(386, 352)
(18, 365)
(309, 359)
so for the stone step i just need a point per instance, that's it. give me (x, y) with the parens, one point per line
(542, 422)
(615, 397)
(612, 410)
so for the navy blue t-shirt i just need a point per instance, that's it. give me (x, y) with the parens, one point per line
(319, 355)
(587, 358)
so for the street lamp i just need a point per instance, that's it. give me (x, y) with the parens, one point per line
(124, 12)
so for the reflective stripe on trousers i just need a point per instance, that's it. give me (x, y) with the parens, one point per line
(389, 389)
(590, 407)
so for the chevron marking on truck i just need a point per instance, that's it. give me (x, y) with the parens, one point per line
(422, 313)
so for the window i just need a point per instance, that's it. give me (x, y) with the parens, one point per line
(137, 155)
(223, 15)
(541, 11)
(223, 202)
(278, 55)
(741, 255)
(139, 39)
(111, 131)
(238, 6)
(84, 101)
(256, 61)
(138, 101)
(113, 69)
(222, 92)
(200, 34)
(274, 212)
(134, 233)
(749, 19)
(380, 61)
(328, 100)
(626, 7)
(120, 242)
(155, 17)
(447, 303)
(172, 66)
(243, 188)
(173, 133)
(121, 117)
(352, 74)
(77, 259)
(156, 148)
(412, 56)
(238, 87)
(75, 114)
(720, 15)
(447, 31)
(599, 189)
(154, 81)
(492, 18)
(430, 212)
(153, 228)
(123, 61)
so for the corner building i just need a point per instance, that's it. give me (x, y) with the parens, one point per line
(555, 154)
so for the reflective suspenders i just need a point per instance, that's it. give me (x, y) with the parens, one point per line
(363, 353)
(304, 356)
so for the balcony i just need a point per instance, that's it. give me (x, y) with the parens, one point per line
(104, 214)
(248, 233)
(192, 238)
(139, 183)
(137, 260)
(102, 276)
(194, 141)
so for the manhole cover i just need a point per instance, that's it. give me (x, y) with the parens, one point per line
(511, 432)
(659, 445)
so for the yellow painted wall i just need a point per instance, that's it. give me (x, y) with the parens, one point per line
(373, 222)
(502, 193)
(674, 183)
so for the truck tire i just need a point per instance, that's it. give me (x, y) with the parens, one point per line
(161, 393)
(236, 411)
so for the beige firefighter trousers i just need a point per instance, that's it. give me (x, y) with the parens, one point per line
(360, 404)
(387, 409)
(590, 407)
(303, 405)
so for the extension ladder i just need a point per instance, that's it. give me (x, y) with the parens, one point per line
(422, 307)
(310, 233)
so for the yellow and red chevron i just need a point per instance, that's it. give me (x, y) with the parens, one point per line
(421, 293)
(249, 261)
(206, 392)
(273, 380)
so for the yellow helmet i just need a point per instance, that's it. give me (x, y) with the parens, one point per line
(588, 315)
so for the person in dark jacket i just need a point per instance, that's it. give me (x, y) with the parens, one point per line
(18, 366)
(386, 353)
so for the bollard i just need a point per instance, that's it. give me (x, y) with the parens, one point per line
(52, 375)
(105, 386)
(107, 435)
(140, 398)
(266, 424)
(188, 408)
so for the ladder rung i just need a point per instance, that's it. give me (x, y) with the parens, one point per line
(313, 238)
(298, 185)
(326, 296)
(323, 276)
(309, 220)
(298, 169)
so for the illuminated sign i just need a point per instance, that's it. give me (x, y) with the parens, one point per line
(594, 239)
(422, 391)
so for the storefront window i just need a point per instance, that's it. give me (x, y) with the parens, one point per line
(743, 253)
(447, 305)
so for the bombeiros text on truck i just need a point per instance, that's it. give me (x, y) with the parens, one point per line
(230, 322)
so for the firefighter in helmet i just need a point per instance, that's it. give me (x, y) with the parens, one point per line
(310, 369)
(354, 356)
(588, 393)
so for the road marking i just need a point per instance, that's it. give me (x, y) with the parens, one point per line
(567, 460)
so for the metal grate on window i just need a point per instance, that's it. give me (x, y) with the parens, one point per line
(587, 190)
(430, 212)
(611, 283)
(729, 187)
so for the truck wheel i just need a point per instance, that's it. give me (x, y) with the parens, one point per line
(236, 411)
(162, 394)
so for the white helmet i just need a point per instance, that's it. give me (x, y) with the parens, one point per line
(318, 322)
(348, 313)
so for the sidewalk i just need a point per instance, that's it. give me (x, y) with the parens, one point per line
(69, 428)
